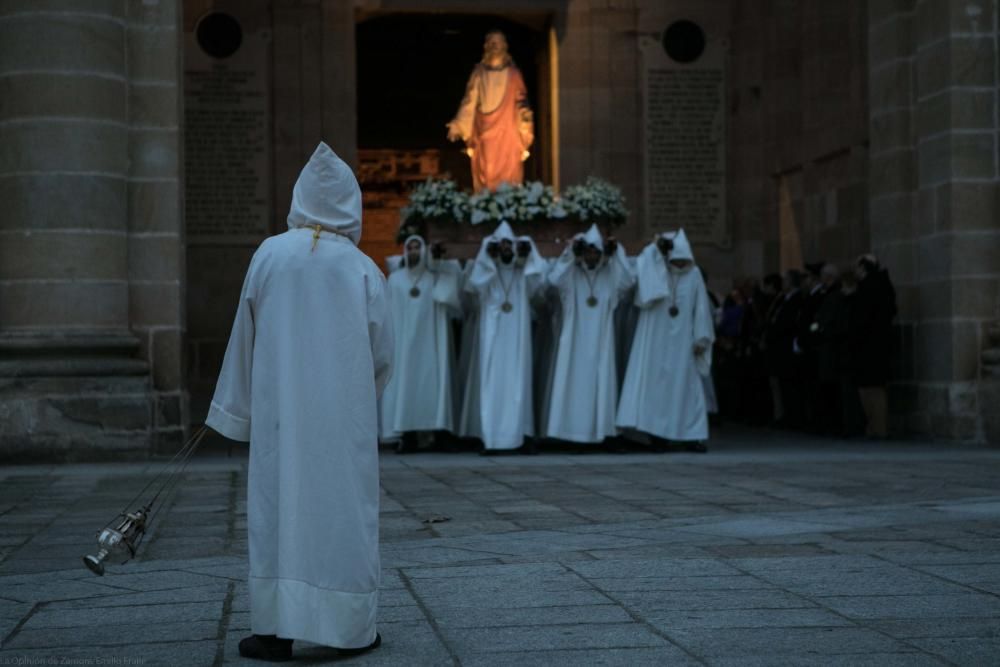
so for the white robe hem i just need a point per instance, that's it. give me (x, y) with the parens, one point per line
(294, 609)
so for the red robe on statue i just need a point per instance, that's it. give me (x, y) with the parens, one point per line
(497, 138)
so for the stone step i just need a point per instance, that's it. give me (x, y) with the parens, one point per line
(91, 343)
(58, 366)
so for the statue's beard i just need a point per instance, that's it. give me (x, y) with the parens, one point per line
(500, 53)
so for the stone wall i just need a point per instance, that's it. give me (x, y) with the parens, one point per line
(89, 268)
(798, 133)
(934, 200)
(156, 262)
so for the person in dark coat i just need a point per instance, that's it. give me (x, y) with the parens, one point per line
(727, 355)
(836, 357)
(814, 294)
(755, 394)
(840, 412)
(779, 341)
(871, 341)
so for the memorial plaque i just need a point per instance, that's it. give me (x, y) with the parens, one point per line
(685, 140)
(227, 144)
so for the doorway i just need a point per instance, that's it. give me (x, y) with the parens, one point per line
(412, 69)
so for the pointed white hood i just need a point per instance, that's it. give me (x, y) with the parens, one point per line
(327, 194)
(593, 237)
(682, 248)
(503, 232)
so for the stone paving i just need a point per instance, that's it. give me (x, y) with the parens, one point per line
(770, 550)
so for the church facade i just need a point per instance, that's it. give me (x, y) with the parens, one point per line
(148, 146)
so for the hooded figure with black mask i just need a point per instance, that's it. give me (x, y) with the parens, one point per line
(506, 274)
(310, 352)
(663, 394)
(423, 297)
(591, 276)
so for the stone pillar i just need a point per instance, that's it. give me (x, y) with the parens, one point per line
(69, 383)
(934, 200)
(156, 234)
(63, 165)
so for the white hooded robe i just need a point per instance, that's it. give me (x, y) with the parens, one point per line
(506, 411)
(419, 397)
(585, 381)
(310, 352)
(662, 394)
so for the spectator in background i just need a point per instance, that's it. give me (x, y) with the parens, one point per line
(814, 293)
(873, 311)
(756, 393)
(779, 341)
(828, 330)
(727, 363)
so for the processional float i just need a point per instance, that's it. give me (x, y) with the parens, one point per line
(124, 533)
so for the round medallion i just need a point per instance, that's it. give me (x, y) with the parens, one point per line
(592, 301)
(415, 292)
(507, 306)
(674, 311)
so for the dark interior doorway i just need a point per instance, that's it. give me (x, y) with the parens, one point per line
(412, 71)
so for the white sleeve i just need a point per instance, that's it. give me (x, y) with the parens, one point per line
(229, 413)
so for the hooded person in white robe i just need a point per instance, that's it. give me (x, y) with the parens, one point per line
(423, 296)
(469, 421)
(508, 271)
(310, 352)
(547, 323)
(591, 276)
(663, 394)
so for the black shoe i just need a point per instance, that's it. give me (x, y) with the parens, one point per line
(698, 447)
(364, 649)
(528, 449)
(408, 443)
(266, 647)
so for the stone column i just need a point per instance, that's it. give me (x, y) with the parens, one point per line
(934, 204)
(67, 379)
(63, 164)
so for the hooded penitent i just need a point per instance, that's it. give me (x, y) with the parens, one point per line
(585, 380)
(593, 237)
(662, 394)
(310, 351)
(422, 299)
(327, 195)
(504, 292)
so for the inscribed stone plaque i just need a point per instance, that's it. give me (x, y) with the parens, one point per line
(227, 128)
(685, 140)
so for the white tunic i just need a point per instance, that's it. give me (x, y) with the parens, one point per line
(470, 419)
(585, 381)
(420, 395)
(310, 351)
(505, 360)
(662, 394)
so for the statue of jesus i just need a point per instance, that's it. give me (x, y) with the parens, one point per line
(494, 119)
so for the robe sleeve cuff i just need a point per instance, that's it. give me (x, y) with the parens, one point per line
(229, 425)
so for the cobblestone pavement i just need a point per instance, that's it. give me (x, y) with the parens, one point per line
(770, 550)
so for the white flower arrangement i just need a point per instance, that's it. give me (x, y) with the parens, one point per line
(531, 202)
(594, 201)
(434, 200)
(440, 200)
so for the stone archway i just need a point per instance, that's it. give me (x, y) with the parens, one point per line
(412, 71)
